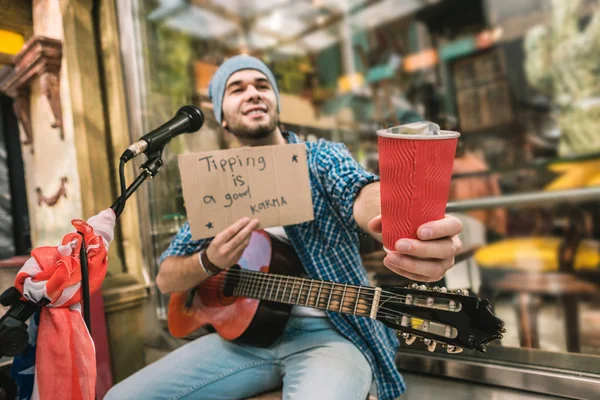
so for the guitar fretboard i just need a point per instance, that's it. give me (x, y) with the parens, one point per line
(323, 295)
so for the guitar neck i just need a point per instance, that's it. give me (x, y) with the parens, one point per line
(322, 295)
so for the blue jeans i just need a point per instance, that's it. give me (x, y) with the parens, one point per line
(312, 360)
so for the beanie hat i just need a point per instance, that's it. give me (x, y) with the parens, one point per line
(216, 88)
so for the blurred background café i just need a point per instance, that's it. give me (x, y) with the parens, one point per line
(520, 80)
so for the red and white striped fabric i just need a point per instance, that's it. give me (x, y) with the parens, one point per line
(65, 365)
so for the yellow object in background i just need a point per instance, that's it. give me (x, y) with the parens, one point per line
(10, 42)
(347, 82)
(575, 175)
(594, 180)
(538, 254)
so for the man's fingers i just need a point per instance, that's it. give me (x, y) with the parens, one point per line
(375, 224)
(457, 244)
(408, 274)
(431, 270)
(448, 226)
(239, 250)
(243, 235)
(226, 235)
(439, 249)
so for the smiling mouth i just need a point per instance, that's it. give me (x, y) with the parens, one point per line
(256, 112)
(257, 109)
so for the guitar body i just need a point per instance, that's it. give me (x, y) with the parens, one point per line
(240, 319)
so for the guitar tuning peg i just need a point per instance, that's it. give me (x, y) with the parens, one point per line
(431, 346)
(454, 349)
(405, 335)
(414, 286)
(422, 287)
(458, 291)
(410, 339)
(451, 305)
(435, 288)
(430, 301)
(465, 292)
(443, 289)
(447, 331)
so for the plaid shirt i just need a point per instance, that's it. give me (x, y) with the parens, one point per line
(328, 247)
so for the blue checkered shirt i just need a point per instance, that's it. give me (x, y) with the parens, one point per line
(328, 247)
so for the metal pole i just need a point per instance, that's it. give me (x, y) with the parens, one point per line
(527, 199)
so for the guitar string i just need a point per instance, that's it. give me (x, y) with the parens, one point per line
(299, 298)
(255, 277)
(270, 278)
(366, 293)
(301, 295)
(362, 310)
(365, 310)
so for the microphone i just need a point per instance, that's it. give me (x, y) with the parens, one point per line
(188, 119)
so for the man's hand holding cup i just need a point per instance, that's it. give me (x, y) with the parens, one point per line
(427, 258)
(415, 167)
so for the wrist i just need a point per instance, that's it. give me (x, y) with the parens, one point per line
(207, 265)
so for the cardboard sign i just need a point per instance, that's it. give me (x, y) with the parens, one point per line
(269, 183)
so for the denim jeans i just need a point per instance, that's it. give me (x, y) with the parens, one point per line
(311, 359)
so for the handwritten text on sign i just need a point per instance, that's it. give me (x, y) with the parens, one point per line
(270, 183)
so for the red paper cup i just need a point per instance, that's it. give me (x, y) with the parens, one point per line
(415, 172)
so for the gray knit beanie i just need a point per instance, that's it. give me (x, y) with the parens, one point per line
(216, 88)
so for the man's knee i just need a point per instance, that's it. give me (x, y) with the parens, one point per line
(113, 393)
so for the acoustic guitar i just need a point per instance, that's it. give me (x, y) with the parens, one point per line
(251, 302)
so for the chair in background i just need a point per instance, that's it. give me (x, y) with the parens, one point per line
(538, 267)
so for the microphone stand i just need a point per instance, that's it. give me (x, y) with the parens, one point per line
(149, 169)
(13, 330)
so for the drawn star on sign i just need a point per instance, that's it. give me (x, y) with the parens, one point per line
(209, 225)
(295, 158)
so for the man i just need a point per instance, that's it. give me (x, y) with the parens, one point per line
(320, 355)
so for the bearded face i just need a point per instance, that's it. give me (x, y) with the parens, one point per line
(249, 105)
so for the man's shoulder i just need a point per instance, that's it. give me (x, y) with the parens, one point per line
(323, 147)
(328, 154)
(320, 150)
(321, 143)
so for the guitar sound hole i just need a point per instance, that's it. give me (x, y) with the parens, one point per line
(232, 280)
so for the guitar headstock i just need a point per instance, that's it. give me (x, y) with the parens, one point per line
(454, 319)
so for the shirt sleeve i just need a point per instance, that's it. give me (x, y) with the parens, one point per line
(182, 244)
(343, 178)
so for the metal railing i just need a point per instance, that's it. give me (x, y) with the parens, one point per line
(527, 199)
